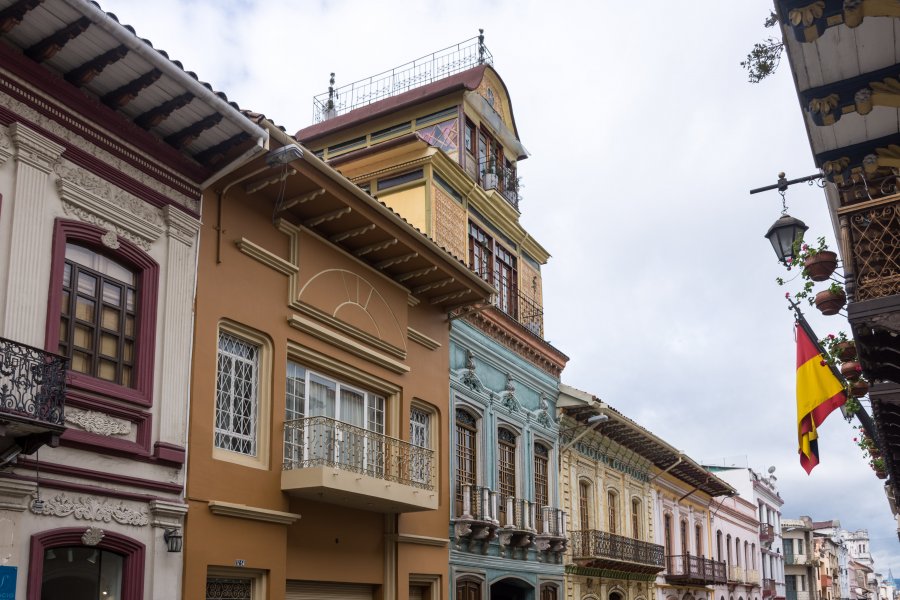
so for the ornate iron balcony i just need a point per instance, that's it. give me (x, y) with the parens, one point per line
(875, 247)
(495, 176)
(325, 442)
(32, 385)
(422, 71)
(602, 549)
(684, 568)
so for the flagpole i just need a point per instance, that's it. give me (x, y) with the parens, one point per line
(865, 420)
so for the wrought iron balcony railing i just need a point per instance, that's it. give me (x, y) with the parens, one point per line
(495, 176)
(422, 71)
(874, 229)
(32, 384)
(592, 545)
(326, 442)
(684, 567)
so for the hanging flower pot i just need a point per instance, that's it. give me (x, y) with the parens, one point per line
(846, 351)
(830, 301)
(859, 388)
(880, 474)
(851, 370)
(821, 265)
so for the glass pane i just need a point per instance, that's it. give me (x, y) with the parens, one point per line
(63, 330)
(110, 576)
(109, 345)
(321, 397)
(80, 362)
(87, 284)
(129, 300)
(81, 573)
(98, 262)
(67, 275)
(107, 370)
(64, 302)
(109, 318)
(84, 309)
(126, 376)
(128, 354)
(295, 392)
(129, 325)
(84, 337)
(112, 294)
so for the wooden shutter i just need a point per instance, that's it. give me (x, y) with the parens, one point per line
(318, 590)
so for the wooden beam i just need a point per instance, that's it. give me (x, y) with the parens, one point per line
(340, 237)
(329, 216)
(302, 199)
(412, 274)
(434, 285)
(49, 46)
(122, 95)
(375, 247)
(396, 260)
(446, 297)
(155, 116)
(183, 138)
(13, 14)
(255, 186)
(214, 154)
(83, 75)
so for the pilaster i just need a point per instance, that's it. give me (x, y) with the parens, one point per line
(29, 245)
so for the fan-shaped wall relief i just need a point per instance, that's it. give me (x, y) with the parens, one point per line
(353, 300)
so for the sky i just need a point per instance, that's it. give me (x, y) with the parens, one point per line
(645, 138)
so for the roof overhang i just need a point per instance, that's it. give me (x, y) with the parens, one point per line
(89, 62)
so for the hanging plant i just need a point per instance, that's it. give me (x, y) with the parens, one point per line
(859, 388)
(831, 300)
(818, 262)
(851, 370)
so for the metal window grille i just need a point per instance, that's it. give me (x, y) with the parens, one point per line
(541, 484)
(584, 494)
(419, 435)
(236, 395)
(466, 451)
(506, 446)
(220, 588)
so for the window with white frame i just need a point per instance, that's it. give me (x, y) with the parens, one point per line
(420, 436)
(237, 397)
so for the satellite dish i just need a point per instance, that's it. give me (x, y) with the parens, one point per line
(771, 469)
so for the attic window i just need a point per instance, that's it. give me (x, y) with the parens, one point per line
(348, 145)
(441, 115)
(396, 180)
(391, 131)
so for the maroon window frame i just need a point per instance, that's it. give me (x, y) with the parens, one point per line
(132, 552)
(147, 273)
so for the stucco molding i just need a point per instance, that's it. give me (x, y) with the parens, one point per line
(33, 149)
(263, 256)
(89, 508)
(166, 514)
(242, 511)
(97, 422)
(5, 146)
(16, 495)
(422, 540)
(180, 225)
(422, 339)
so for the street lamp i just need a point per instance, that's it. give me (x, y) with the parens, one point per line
(784, 235)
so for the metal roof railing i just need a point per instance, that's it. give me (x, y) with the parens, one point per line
(422, 71)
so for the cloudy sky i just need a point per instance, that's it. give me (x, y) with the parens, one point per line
(645, 138)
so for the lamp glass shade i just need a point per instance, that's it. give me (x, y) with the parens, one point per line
(173, 540)
(783, 234)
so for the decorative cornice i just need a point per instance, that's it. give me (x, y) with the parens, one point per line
(180, 225)
(809, 20)
(242, 511)
(260, 254)
(15, 495)
(826, 104)
(97, 422)
(422, 540)
(422, 339)
(6, 149)
(346, 343)
(538, 352)
(165, 514)
(89, 508)
(34, 149)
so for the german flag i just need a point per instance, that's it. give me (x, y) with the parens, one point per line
(819, 391)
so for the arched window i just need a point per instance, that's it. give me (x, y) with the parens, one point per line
(636, 518)
(719, 556)
(737, 552)
(584, 504)
(667, 533)
(549, 592)
(728, 551)
(746, 554)
(466, 454)
(506, 466)
(468, 589)
(753, 555)
(541, 483)
(612, 508)
(684, 537)
(698, 539)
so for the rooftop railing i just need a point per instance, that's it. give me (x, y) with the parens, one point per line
(32, 384)
(422, 71)
(325, 442)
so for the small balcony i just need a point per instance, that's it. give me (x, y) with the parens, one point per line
(768, 588)
(736, 575)
(477, 523)
(798, 559)
(492, 175)
(32, 399)
(331, 461)
(766, 534)
(599, 549)
(684, 569)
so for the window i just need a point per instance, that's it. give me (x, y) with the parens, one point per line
(236, 395)
(719, 556)
(728, 550)
(684, 537)
(506, 464)
(737, 551)
(612, 510)
(335, 423)
(468, 590)
(466, 453)
(496, 265)
(584, 510)
(469, 139)
(420, 436)
(229, 588)
(102, 312)
(541, 483)
(549, 592)
(636, 518)
(698, 540)
(481, 257)
(667, 533)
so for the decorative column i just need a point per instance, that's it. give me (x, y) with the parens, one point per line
(177, 332)
(25, 312)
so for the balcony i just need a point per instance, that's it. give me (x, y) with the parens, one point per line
(736, 575)
(501, 178)
(32, 398)
(798, 559)
(331, 461)
(768, 588)
(599, 549)
(551, 530)
(684, 569)
(766, 534)
(477, 522)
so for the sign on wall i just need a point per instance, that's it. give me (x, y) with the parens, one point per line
(8, 583)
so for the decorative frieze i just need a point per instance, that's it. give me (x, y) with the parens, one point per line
(97, 422)
(88, 508)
